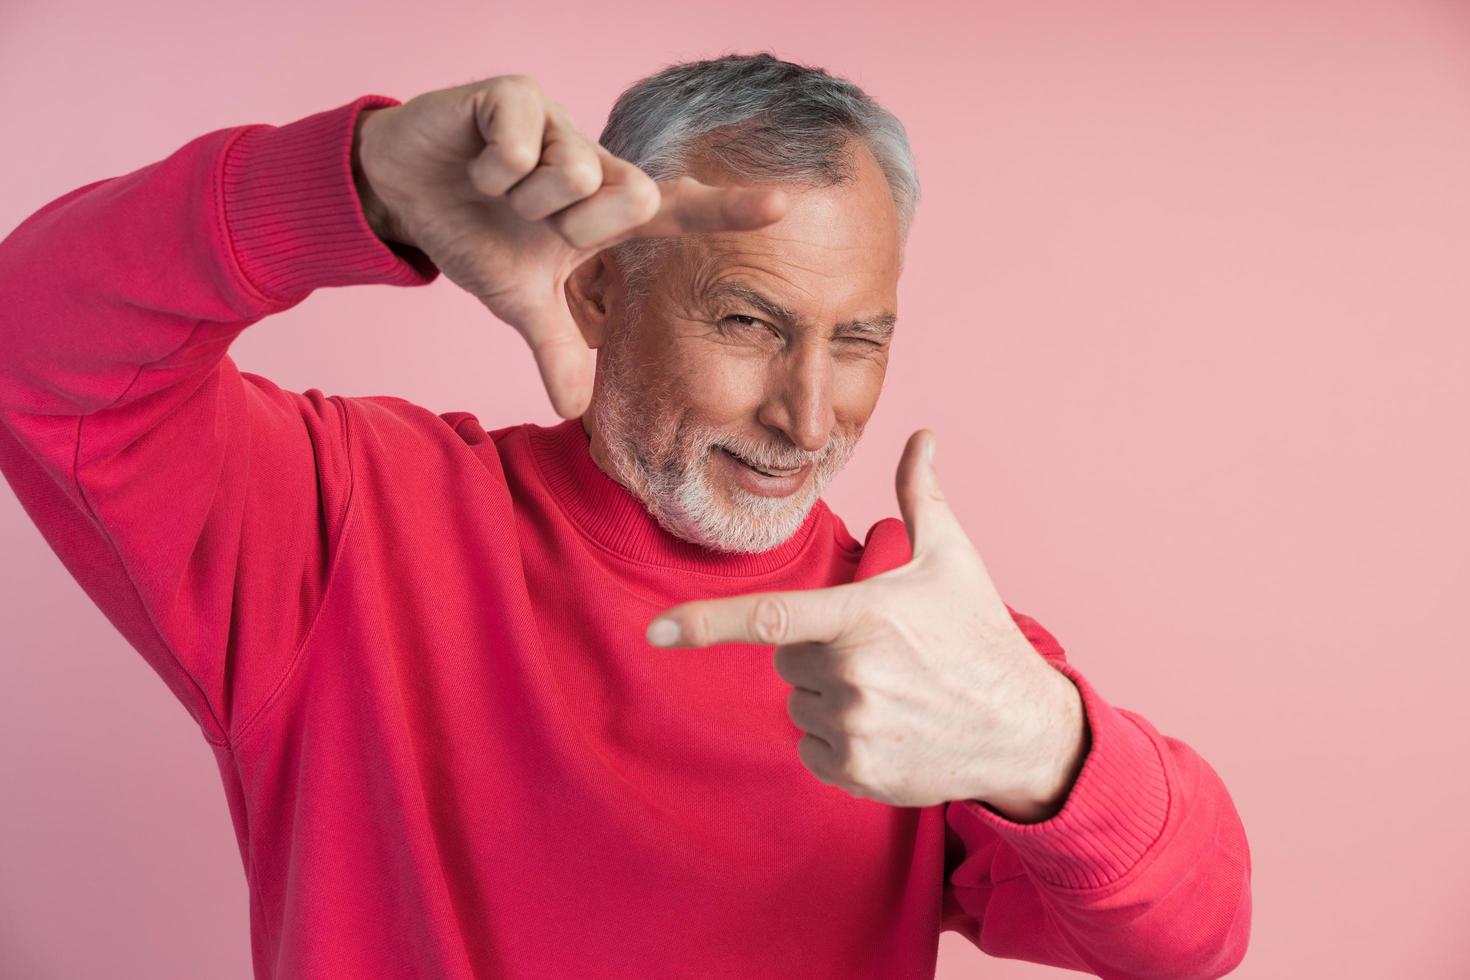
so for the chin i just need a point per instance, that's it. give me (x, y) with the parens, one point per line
(733, 520)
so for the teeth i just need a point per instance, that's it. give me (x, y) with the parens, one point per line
(767, 472)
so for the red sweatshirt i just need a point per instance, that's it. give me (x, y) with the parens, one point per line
(416, 648)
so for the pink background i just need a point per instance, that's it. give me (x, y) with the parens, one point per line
(1186, 303)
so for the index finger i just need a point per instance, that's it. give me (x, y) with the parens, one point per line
(800, 616)
(689, 206)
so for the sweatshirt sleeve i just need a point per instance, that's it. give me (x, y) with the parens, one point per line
(200, 507)
(1143, 873)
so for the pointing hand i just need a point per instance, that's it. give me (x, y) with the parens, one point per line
(914, 686)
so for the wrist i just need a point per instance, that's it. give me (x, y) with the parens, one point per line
(1066, 750)
(291, 216)
(373, 209)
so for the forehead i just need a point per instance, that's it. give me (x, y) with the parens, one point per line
(835, 244)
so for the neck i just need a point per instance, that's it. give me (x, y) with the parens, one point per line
(595, 446)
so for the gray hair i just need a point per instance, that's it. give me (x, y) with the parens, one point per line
(762, 119)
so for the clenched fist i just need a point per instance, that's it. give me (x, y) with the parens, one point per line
(493, 183)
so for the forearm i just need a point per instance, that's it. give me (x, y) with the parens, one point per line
(183, 253)
(1143, 872)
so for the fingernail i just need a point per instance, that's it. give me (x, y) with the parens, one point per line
(929, 452)
(662, 632)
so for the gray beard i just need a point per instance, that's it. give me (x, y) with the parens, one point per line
(667, 467)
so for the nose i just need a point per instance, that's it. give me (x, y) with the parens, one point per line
(800, 403)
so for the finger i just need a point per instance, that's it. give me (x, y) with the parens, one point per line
(569, 171)
(805, 665)
(511, 117)
(562, 356)
(926, 514)
(687, 206)
(809, 616)
(812, 713)
(820, 758)
(627, 198)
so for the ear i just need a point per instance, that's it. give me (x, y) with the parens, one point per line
(587, 298)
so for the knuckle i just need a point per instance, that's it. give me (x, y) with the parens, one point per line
(645, 195)
(696, 627)
(792, 711)
(515, 83)
(853, 678)
(519, 157)
(852, 674)
(770, 620)
(843, 689)
(583, 176)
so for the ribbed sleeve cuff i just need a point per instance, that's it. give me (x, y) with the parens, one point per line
(1114, 814)
(293, 216)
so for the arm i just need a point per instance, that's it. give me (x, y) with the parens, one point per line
(198, 506)
(1144, 871)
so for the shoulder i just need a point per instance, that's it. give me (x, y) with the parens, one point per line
(884, 547)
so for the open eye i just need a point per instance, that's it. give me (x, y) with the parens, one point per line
(742, 316)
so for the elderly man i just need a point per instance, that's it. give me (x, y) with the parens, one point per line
(445, 671)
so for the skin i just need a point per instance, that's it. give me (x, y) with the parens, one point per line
(786, 392)
(916, 686)
(912, 687)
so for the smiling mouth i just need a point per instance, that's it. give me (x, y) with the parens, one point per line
(761, 469)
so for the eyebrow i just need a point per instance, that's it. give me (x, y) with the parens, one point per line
(880, 325)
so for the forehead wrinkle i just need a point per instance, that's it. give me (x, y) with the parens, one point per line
(880, 325)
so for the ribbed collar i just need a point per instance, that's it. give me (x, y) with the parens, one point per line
(607, 512)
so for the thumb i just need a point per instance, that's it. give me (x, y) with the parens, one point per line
(926, 514)
(563, 357)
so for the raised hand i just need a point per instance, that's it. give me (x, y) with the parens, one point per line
(495, 184)
(914, 686)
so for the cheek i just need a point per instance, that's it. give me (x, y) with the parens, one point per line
(855, 387)
(719, 386)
